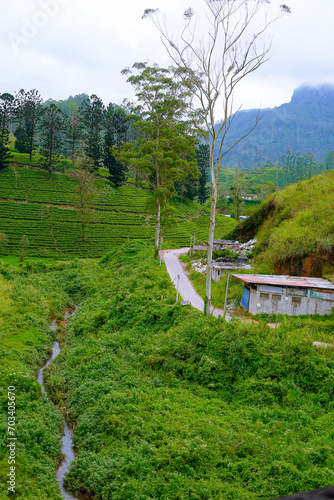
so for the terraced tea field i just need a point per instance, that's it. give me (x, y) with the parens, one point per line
(42, 209)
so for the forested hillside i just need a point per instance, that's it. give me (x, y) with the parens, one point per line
(305, 125)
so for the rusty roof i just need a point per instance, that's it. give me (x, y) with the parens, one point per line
(294, 281)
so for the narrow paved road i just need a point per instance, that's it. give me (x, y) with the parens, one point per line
(186, 289)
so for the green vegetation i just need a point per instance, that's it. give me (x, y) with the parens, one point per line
(170, 404)
(219, 289)
(296, 224)
(43, 210)
(165, 402)
(28, 302)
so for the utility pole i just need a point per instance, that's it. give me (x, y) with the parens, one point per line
(177, 288)
(160, 248)
(226, 292)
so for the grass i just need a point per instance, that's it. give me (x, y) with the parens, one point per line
(294, 224)
(28, 301)
(15, 261)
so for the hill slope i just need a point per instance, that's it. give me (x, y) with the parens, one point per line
(42, 209)
(295, 229)
(305, 124)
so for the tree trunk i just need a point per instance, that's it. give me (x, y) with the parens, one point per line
(50, 154)
(157, 231)
(210, 241)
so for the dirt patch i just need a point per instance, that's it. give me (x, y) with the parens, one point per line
(308, 266)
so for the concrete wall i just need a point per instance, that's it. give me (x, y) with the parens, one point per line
(284, 302)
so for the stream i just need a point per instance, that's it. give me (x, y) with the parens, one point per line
(67, 444)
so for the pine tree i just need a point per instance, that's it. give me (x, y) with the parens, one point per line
(32, 113)
(6, 108)
(20, 133)
(92, 117)
(53, 124)
(114, 137)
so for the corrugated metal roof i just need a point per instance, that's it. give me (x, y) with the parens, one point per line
(223, 242)
(295, 281)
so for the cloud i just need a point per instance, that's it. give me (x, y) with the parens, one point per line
(75, 46)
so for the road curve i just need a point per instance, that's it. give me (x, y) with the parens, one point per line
(185, 286)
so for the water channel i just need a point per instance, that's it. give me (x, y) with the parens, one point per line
(67, 444)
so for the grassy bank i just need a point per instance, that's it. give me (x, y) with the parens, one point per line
(294, 224)
(28, 302)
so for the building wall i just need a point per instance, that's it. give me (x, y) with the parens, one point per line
(283, 301)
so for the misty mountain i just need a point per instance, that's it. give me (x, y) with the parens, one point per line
(305, 124)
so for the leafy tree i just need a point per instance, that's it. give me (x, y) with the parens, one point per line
(92, 117)
(6, 108)
(84, 195)
(3, 242)
(328, 162)
(213, 67)
(236, 191)
(32, 113)
(164, 149)
(203, 163)
(24, 243)
(53, 124)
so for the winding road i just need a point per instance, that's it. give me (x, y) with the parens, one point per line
(185, 286)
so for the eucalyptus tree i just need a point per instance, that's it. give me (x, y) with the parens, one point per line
(53, 124)
(213, 63)
(6, 109)
(92, 117)
(164, 149)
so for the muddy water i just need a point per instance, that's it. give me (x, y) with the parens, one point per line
(67, 444)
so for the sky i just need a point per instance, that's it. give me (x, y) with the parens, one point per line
(69, 47)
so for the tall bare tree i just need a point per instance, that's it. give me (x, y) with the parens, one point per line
(213, 66)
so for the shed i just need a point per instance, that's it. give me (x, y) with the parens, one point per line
(290, 295)
(221, 268)
(221, 244)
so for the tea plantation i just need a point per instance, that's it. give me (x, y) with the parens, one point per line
(42, 209)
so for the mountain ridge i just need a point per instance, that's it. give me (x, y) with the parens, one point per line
(304, 124)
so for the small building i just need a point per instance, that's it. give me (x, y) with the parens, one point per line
(221, 268)
(249, 196)
(222, 244)
(289, 295)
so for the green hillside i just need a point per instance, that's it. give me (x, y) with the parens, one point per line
(295, 228)
(42, 209)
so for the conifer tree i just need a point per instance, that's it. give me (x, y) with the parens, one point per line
(114, 137)
(92, 117)
(6, 108)
(53, 124)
